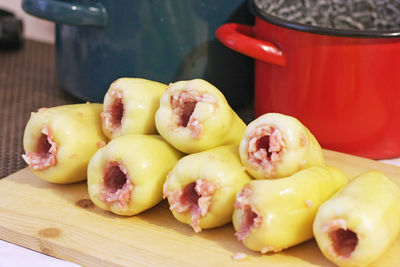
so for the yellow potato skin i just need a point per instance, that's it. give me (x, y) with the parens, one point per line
(77, 131)
(221, 166)
(221, 125)
(301, 150)
(370, 207)
(141, 99)
(288, 207)
(148, 159)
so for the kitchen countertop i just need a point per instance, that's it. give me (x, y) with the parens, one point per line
(15, 256)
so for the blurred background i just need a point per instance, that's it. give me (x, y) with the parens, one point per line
(34, 28)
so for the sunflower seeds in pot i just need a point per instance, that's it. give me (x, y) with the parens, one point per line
(337, 14)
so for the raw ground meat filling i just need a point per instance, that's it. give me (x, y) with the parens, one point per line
(185, 111)
(250, 218)
(344, 242)
(112, 117)
(265, 147)
(194, 197)
(183, 105)
(116, 185)
(45, 154)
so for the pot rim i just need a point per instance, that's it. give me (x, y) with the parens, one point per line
(320, 30)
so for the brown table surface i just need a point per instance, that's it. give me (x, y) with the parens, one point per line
(28, 81)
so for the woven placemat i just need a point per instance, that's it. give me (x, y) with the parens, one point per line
(28, 81)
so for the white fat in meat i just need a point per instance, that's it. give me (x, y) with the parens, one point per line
(195, 197)
(265, 147)
(183, 104)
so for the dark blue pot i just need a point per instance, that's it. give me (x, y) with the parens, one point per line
(98, 41)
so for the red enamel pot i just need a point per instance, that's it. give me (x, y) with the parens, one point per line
(343, 85)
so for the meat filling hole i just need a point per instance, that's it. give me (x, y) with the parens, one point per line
(43, 148)
(265, 148)
(183, 107)
(116, 185)
(196, 198)
(248, 220)
(114, 179)
(116, 111)
(263, 143)
(344, 241)
(187, 111)
(44, 155)
(190, 197)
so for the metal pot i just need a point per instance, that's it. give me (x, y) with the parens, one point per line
(342, 84)
(98, 41)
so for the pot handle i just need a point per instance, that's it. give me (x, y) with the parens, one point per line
(67, 13)
(238, 37)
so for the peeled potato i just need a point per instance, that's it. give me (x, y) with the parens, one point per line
(194, 116)
(130, 105)
(271, 215)
(60, 141)
(201, 188)
(126, 176)
(276, 145)
(359, 223)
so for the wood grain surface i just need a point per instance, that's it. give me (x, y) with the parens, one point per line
(61, 221)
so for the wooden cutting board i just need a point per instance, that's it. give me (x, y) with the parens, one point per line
(61, 221)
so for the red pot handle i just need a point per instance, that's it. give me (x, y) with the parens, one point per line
(238, 37)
